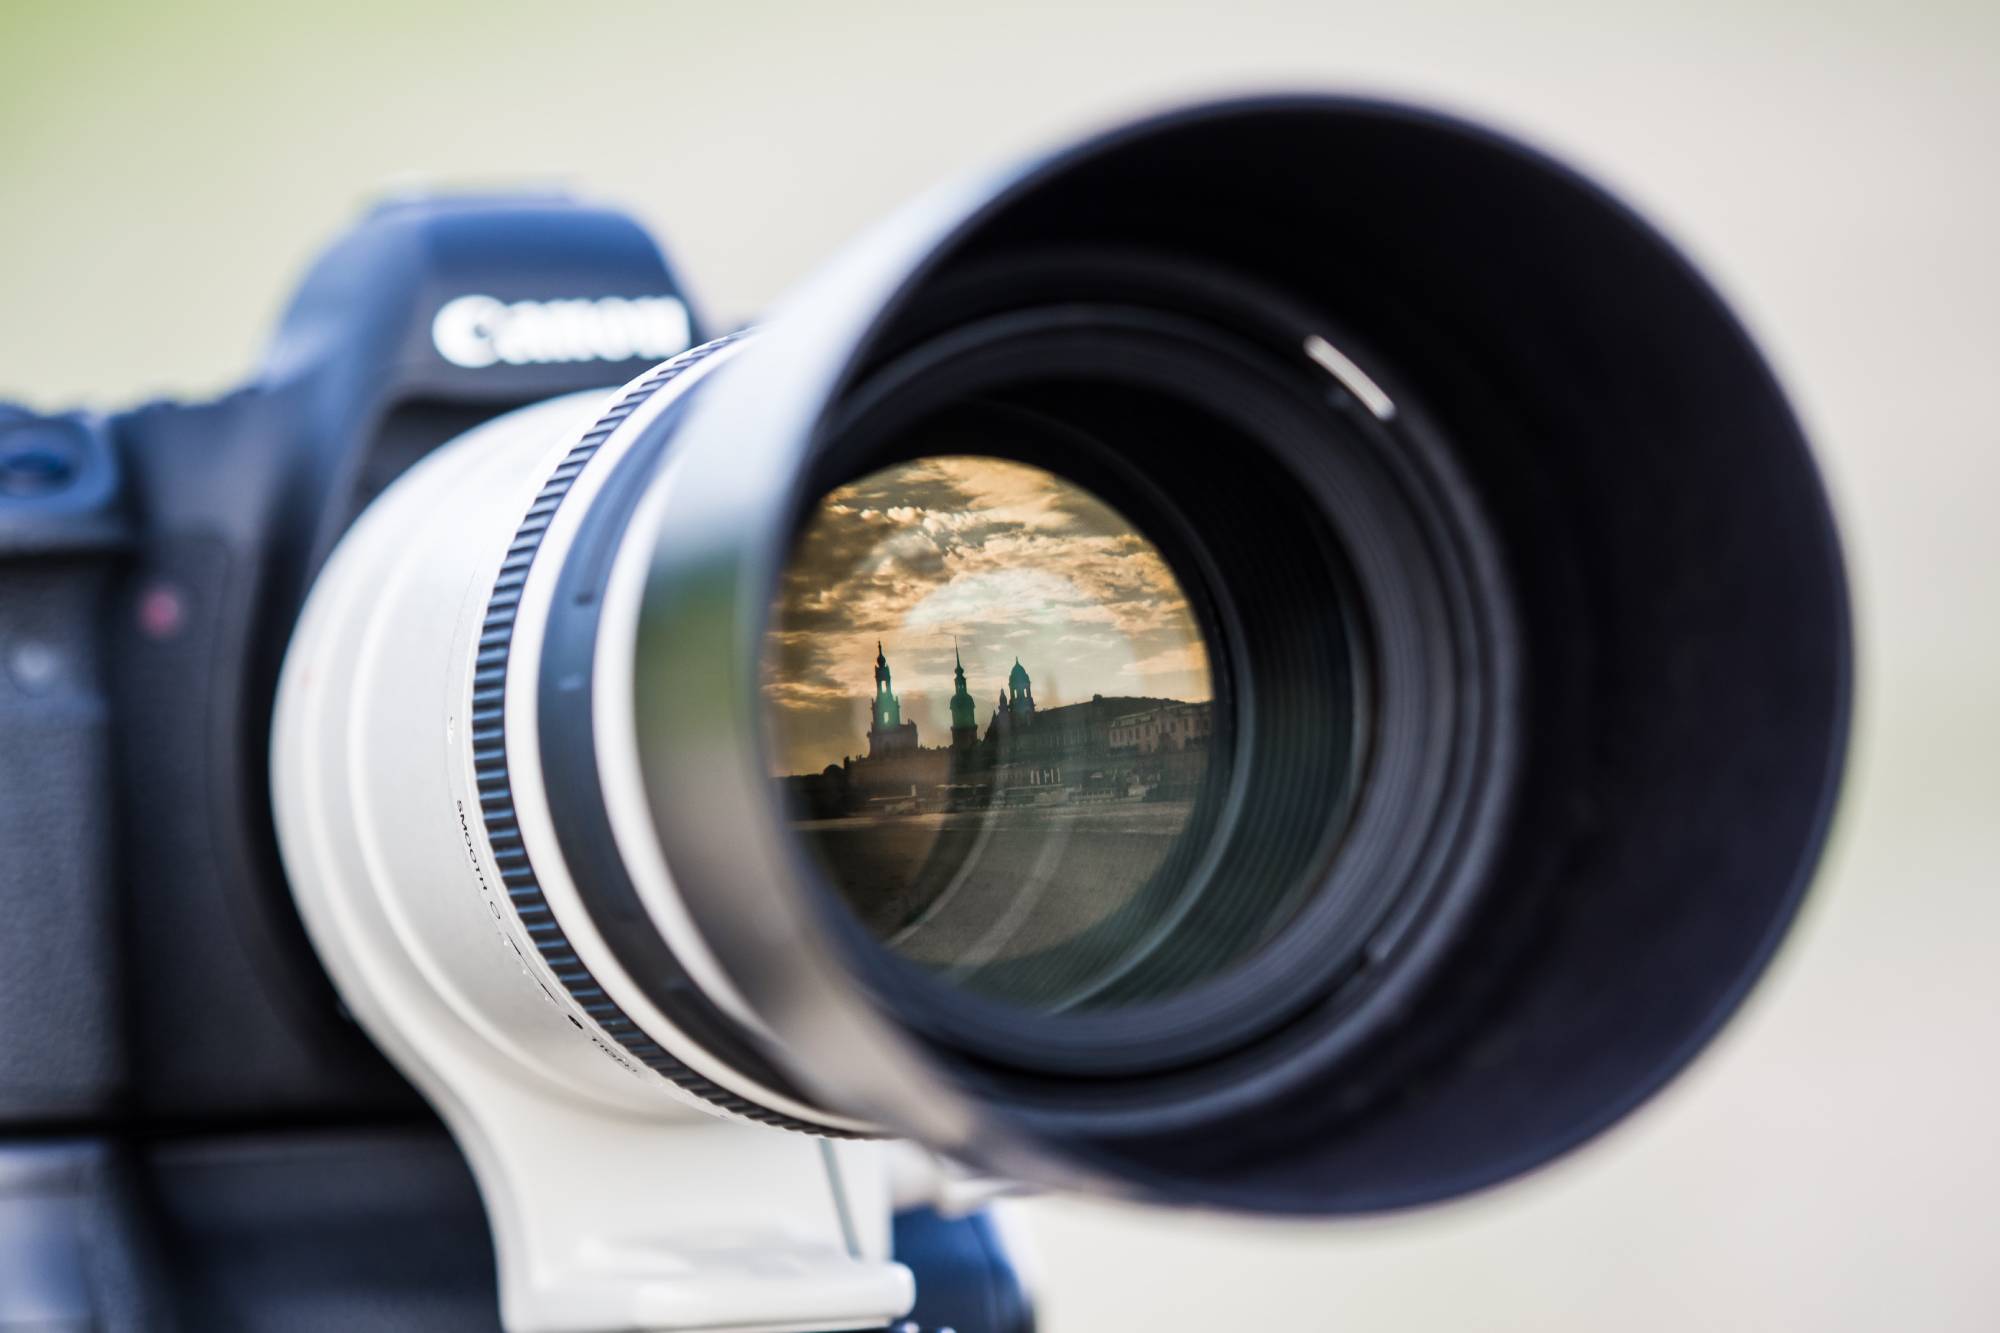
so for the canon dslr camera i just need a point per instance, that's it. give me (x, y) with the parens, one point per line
(1290, 658)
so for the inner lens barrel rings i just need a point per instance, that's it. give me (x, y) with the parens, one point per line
(1076, 693)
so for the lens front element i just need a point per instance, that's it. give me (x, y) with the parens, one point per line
(993, 718)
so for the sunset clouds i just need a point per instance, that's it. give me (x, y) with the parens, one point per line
(1009, 559)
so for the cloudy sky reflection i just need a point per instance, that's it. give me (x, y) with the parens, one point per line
(1007, 559)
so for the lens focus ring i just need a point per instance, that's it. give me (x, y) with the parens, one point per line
(495, 786)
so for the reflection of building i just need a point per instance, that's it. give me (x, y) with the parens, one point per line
(1169, 727)
(1117, 748)
(1016, 707)
(887, 732)
(964, 712)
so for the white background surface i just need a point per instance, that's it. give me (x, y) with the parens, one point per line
(166, 171)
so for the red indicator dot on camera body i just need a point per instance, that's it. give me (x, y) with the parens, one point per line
(162, 611)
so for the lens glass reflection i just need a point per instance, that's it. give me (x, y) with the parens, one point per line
(992, 719)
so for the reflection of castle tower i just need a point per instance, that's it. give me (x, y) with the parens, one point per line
(1112, 748)
(964, 715)
(1020, 693)
(1016, 709)
(887, 732)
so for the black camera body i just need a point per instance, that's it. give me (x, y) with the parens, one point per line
(154, 561)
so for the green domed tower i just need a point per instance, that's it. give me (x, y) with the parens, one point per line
(1020, 693)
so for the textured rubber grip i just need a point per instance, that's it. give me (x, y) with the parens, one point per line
(495, 784)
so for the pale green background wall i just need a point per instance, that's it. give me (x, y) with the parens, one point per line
(166, 169)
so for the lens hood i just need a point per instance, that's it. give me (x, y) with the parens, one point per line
(1618, 617)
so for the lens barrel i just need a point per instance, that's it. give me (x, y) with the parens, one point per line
(1522, 704)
